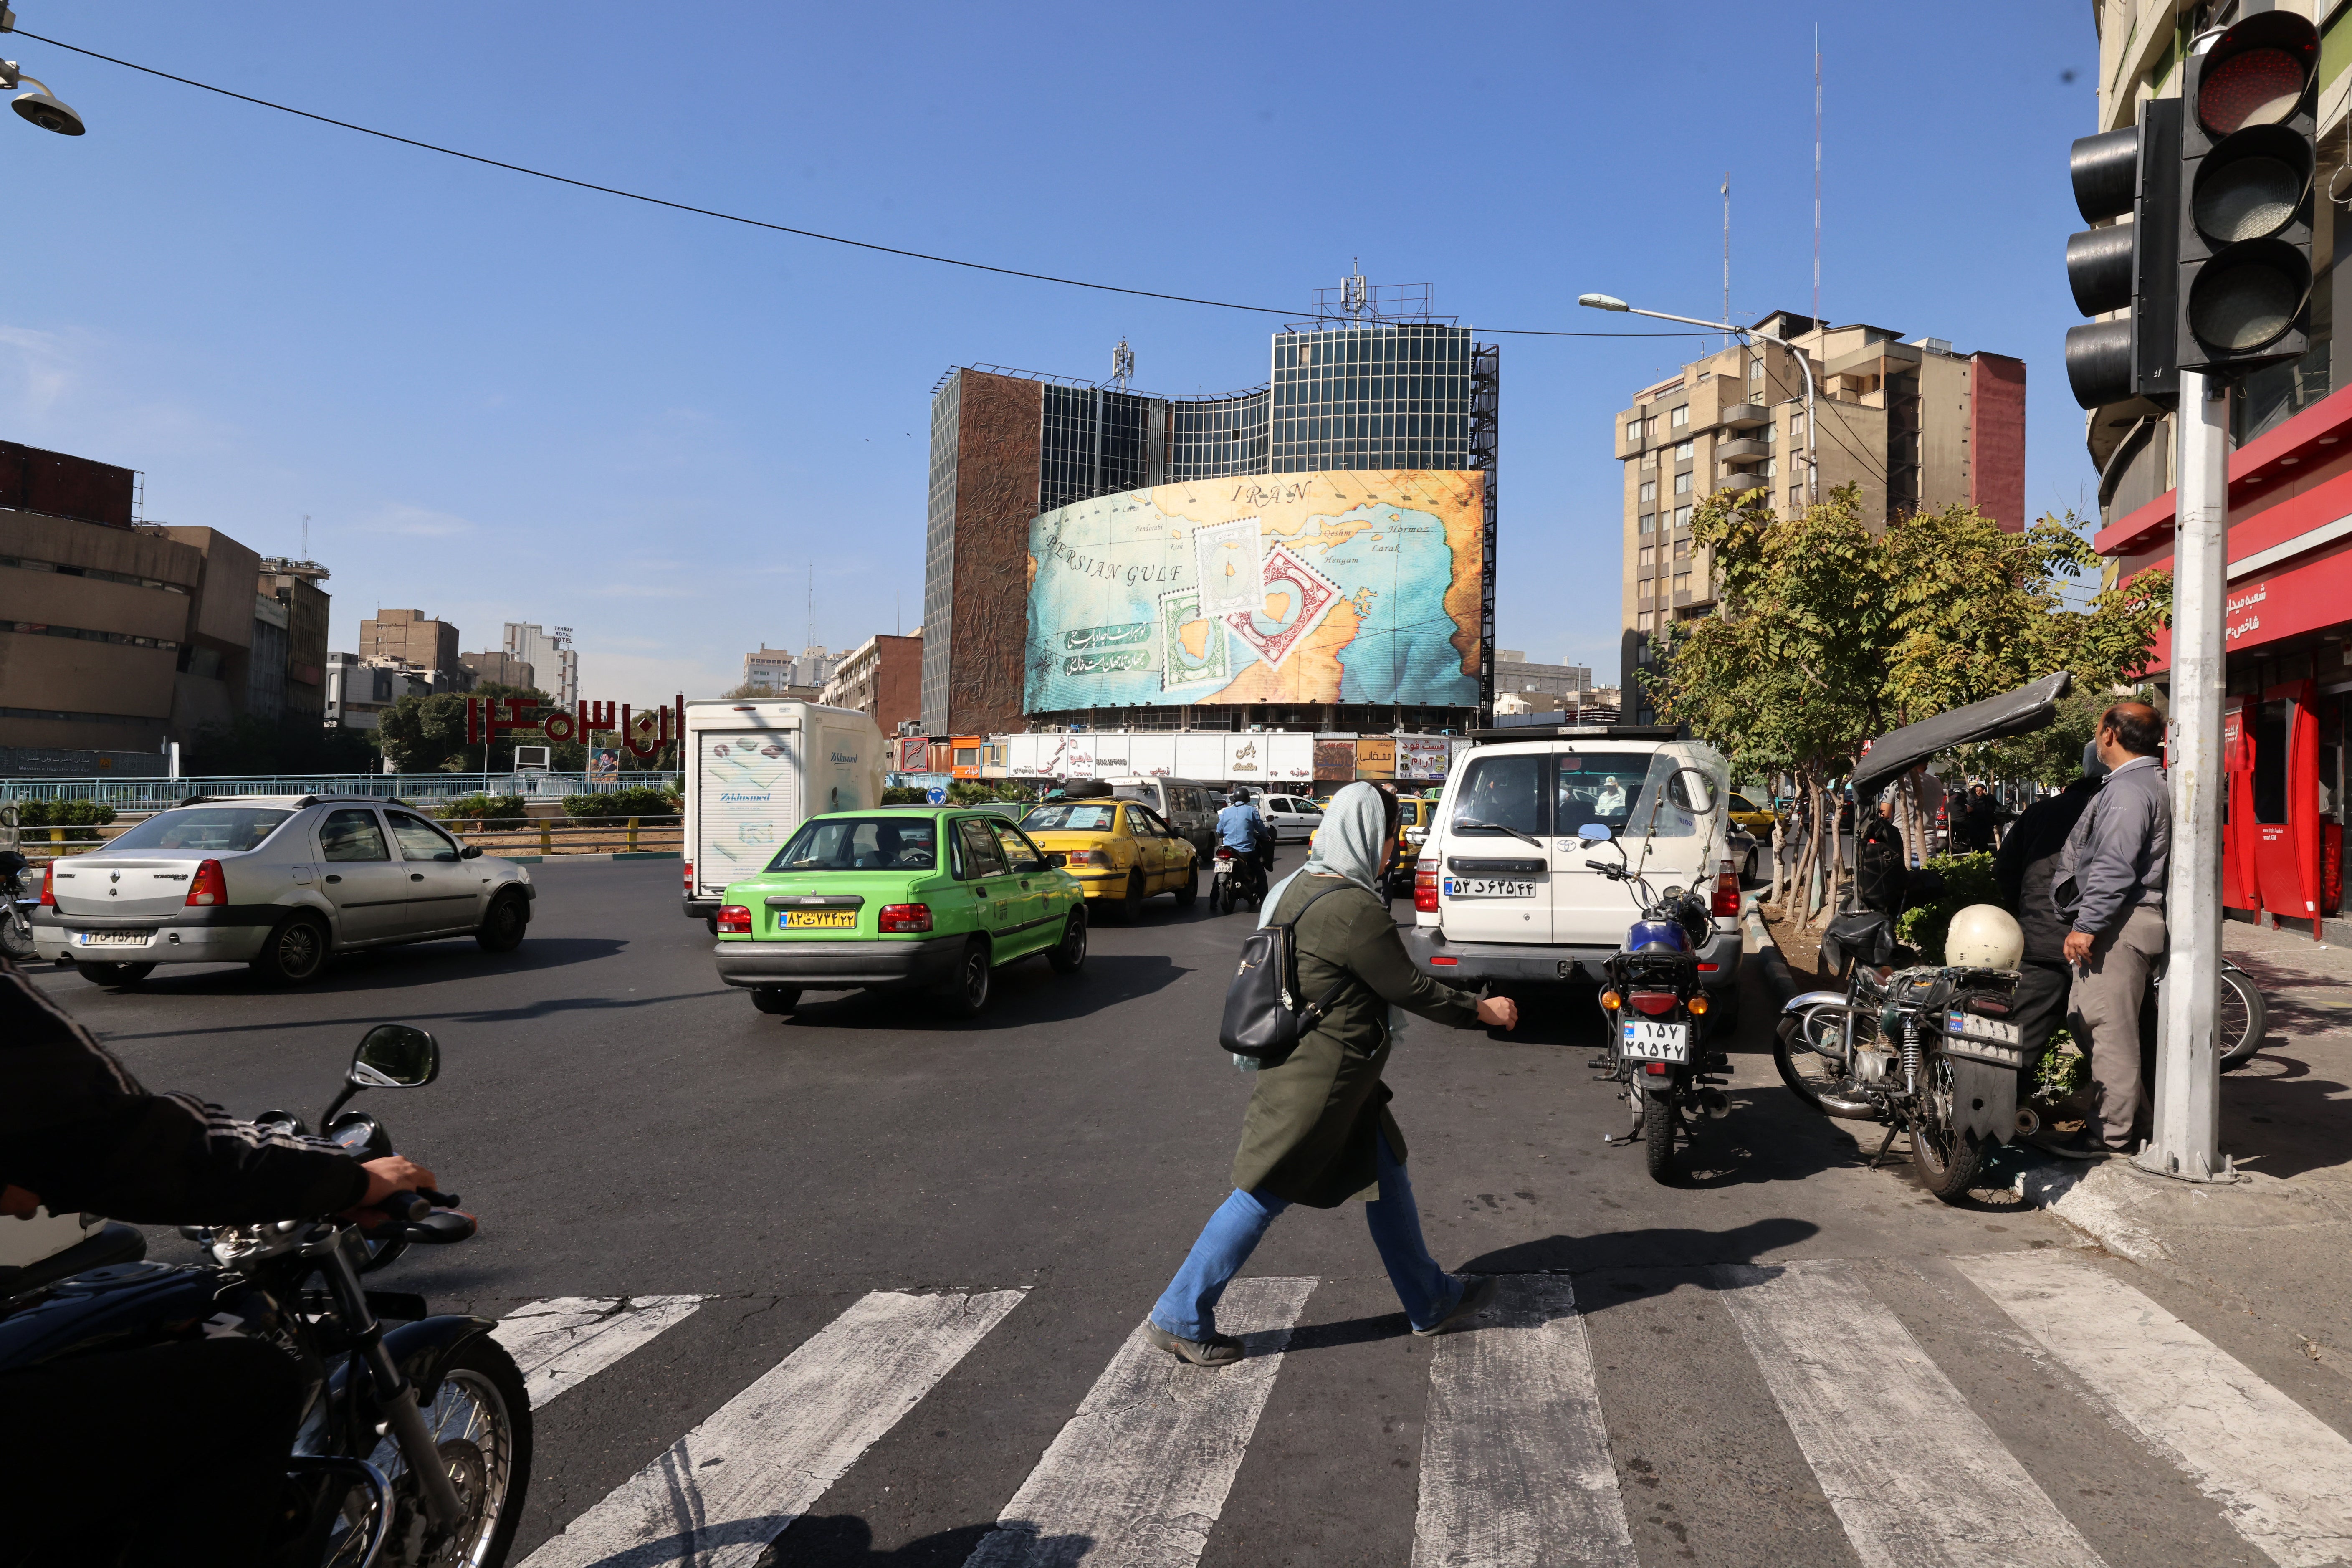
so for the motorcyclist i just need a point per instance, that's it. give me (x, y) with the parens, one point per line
(1242, 829)
(174, 1453)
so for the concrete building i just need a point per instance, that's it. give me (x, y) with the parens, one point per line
(294, 586)
(1912, 426)
(551, 658)
(1362, 387)
(1513, 673)
(881, 677)
(781, 670)
(411, 637)
(497, 669)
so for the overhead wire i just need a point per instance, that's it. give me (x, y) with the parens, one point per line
(760, 223)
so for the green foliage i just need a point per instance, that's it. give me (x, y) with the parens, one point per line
(637, 800)
(2062, 1073)
(984, 792)
(905, 795)
(1968, 879)
(81, 818)
(481, 807)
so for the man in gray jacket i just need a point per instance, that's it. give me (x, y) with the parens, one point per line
(2108, 885)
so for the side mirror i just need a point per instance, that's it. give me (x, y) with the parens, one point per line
(394, 1056)
(470, 852)
(1595, 833)
(1697, 790)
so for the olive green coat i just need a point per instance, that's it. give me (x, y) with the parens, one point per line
(1308, 1135)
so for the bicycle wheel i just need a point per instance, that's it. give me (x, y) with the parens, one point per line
(2240, 1019)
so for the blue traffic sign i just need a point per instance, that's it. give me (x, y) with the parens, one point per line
(939, 797)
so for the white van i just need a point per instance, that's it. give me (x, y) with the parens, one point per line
(1501, 891)
(754, 772)
(1182, 804)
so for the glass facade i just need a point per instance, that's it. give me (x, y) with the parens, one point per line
(939, 551)
(1373, 398)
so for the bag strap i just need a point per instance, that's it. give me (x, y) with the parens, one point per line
(1315, 1011)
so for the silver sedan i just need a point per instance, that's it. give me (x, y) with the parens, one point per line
(279, 882)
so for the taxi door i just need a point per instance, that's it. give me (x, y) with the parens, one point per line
(1161, 851)
(1032, 920)
(994, 890)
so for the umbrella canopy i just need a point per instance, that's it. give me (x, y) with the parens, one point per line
(2018, 712)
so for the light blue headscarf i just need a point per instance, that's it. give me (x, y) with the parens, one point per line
(1349, 844)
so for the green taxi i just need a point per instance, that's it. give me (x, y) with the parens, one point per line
(927, 897)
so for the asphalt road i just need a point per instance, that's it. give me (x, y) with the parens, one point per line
(626, 1127)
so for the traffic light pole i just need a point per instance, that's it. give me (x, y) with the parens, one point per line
(2188, 1072)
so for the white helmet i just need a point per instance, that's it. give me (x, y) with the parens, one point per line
(1984, 936)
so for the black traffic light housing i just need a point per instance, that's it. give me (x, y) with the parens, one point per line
(2245, 196)
(2132, 266)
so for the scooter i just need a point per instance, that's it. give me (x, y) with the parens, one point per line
(1238, 877)
(414, 1446)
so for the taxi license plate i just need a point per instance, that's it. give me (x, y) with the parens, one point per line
(1487, 888)
(1647, 1040)
(111, 938)
(821, 919)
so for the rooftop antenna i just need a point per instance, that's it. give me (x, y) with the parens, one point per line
(811, 632)
(1817, 174)
(1122, 364)
(306, 536)
(1354, 293)
(1727, 253)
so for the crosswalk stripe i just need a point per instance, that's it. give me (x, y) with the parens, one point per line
(562, 1341)
(1140, 1474)
(1916, 1477)
(1515, 1466)
(731, 1486)
(2283, 1476)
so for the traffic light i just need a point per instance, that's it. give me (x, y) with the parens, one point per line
(2132, 266)
(2246, 162)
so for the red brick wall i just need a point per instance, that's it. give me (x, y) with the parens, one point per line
(898, 681)
(1997, 439)
(64, 486)
(1000, 436)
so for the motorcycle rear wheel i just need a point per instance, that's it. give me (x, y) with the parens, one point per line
(16, 935)
(1945, 1157)
(1658, 1135)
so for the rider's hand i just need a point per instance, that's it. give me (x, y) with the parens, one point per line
(1498, 1012)
(386, 1176)
(2078, 946)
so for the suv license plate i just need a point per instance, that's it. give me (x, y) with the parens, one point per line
(821, 919)
(1487, 888)
(111, 938)
(1652, 1042)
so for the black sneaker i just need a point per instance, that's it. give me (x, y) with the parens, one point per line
(1477, 1292)
(1217, 1350)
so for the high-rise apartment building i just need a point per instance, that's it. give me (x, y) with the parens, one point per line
(550, 656)
(1911, 425)
(1360, 388)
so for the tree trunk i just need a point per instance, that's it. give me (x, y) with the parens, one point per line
(1833, 856)
(1809, 847)
(1772, 894)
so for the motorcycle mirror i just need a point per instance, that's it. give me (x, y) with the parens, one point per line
(1697, 790)
(1595, 833)
(394, 1056)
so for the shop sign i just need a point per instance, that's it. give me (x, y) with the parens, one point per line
(1423, 758)
(1376, 757)
(1335, 761)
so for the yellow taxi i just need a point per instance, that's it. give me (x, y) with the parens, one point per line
(1120, 852)
(1745, 812)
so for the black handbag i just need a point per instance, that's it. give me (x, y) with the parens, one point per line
(1264, 1018)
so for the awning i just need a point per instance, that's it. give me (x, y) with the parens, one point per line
(2018, 712)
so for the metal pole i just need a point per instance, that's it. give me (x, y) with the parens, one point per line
(2188, 1074)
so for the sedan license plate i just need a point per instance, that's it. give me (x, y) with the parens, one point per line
(1647, 1040)
(821, 919)
(111, 938)
(1487, 888)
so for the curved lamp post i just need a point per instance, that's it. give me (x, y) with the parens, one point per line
(43, 107)
(1804, 364)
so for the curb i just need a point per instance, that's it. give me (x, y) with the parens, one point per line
(1778, 977)
(2090, 1198)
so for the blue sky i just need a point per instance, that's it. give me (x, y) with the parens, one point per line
(499, 398)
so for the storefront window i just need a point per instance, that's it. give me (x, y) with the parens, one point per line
(2331, 755)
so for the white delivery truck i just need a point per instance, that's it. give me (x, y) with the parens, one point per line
(754, 772)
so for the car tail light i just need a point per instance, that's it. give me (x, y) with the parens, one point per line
(1089, 857)
(1655, 1002)
(208, 887)
(904, 918)
(1444, 958)
(689, 879)
(1726, 890)
(50, 885)
(735, 921)
(1424, 889)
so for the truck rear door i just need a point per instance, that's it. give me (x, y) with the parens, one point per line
(1493, 875)
(748, 800)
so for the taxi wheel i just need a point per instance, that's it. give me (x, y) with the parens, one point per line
(775, 999)
(1130, 906)
(1190, 887)
(967, 995)
(1069, 955)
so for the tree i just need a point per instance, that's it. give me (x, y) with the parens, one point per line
(423, 734)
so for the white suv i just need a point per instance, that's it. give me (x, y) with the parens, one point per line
(1501, 891)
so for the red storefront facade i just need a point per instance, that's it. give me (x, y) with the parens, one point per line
(2289, 618)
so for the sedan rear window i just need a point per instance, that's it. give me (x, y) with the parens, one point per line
(213, 829)
(861, 844)
(1067, 819)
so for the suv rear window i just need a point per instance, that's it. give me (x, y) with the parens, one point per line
(1543, 793)
(1598, 786)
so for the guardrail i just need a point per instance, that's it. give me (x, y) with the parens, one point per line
(157, 795)
(547, 837)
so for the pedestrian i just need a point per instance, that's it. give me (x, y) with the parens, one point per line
(2108, 884)
(2028, 856)
(1318, 1130)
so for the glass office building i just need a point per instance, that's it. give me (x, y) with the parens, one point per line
(1009, 445)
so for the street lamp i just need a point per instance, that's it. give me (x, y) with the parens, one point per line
(44, 108)
(1812, 431)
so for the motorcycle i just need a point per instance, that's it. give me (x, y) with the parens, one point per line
(1657, 1011)
(1238, 877)
(414, 1444)
(18, 902)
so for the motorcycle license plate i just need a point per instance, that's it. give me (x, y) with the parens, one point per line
(1646, 1039)
(111, 938)
(821, 919)
(1487, 888)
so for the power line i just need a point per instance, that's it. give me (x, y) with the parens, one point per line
(760, 223)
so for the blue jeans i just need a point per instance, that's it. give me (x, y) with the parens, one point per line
(1188, 1307)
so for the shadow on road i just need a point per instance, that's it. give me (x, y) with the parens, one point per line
(456, 958)
(1655, 1246)
(846, 1541)
(1026, 995)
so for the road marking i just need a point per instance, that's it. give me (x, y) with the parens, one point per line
(2283, 1476)
(1915, 1476)
(562, 1341)
(1515, 1466)
(1140, 1474)
(730, 1487)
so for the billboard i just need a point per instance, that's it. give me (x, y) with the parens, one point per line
(1338, 587)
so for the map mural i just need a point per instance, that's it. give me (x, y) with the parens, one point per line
(1340, 587)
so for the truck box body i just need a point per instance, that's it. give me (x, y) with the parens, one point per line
(756, 771)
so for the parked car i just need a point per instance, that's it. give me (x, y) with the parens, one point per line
(1502, 891)
(1756, 819)
(1121, 852)
(928, 897)
(1292, 816)
(279, 882)
(1181, 803)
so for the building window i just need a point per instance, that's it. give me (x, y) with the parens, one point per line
(1755, 368)
(1682, 484)
(1772, 468)
(1796, 498)
(1682, 516)
(1683, 452)
(1682, 583)
(1679, 418)
(1650, 425)
(1632, 432)
(1797, 429)
(1642, 621)
(1649, 522)
(1681, 549)
(1771, 435)
(1648, 490)
(1649, 557)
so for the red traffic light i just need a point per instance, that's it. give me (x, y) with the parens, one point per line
(2256, 73)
